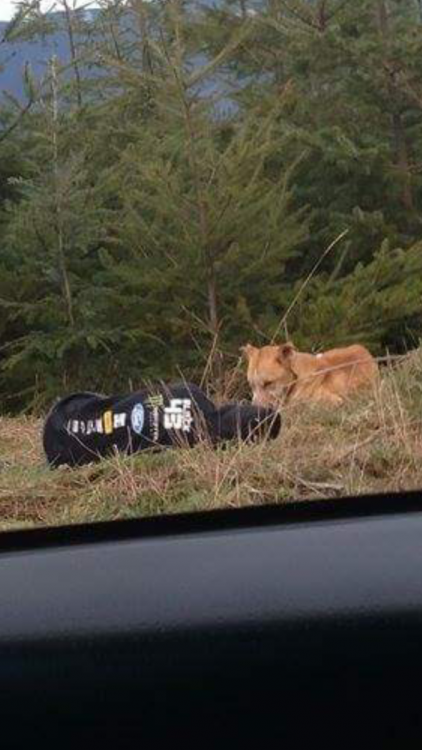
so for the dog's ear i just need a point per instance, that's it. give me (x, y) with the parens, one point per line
(247, 350)
(286, 351)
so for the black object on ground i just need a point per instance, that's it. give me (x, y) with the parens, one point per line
(85, 427)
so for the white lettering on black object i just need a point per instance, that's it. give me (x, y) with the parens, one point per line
(94, 426)
(178, 416)
(119, 420)
(155, 424)
(155, 403)
(90, 427)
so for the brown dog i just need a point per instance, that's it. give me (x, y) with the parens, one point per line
(281, 373)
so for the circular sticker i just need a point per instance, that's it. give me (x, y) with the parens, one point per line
(138, 418)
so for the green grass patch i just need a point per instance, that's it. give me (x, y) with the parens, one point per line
(374, 444)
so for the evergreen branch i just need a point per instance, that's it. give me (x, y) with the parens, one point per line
(17, 121)
(294, 12)
(207, 69)
(73, 52)
(307, 280)
(338, 9)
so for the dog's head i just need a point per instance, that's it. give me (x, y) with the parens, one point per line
(271, 371)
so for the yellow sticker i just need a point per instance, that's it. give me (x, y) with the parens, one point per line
(108, 422)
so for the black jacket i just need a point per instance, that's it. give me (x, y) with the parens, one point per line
(84, 427)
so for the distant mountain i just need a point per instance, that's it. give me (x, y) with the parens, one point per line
(15, 56)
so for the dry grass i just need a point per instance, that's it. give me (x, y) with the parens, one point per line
(374, 444)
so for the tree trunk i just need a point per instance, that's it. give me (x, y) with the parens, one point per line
(243, 8)
(322, 15)
(402, 161)
(398, 129)
(212, 303)
(195, 168)
(73, 52)
(66, 288)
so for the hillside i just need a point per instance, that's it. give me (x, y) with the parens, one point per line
(14, 56)
(373, 445)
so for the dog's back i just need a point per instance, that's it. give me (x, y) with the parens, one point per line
(283, 373)
(343, 370)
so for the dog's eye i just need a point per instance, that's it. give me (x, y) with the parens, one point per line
(267, 384)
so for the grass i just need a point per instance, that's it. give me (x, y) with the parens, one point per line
(373, 444)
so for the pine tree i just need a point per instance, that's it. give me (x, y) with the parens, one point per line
(352, 121)
(207, 223)
(45, 257)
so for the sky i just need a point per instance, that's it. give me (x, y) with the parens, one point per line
(7, 7)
